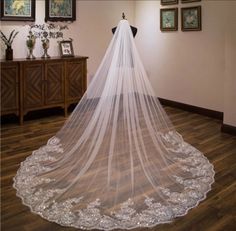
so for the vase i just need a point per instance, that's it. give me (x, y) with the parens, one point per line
(45, 45)
(30, 55)
(9, 53)
(30, 44)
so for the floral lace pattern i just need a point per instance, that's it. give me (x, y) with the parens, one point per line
(27, 183)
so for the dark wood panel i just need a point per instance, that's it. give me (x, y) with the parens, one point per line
(54, 87)
(215, 213)
(30, 85)
(75, 78)
(191, 108)
(33, 90)
(10, 88)
(228, 129)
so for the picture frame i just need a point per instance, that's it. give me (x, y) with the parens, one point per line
(191, 18)
(66, 48)
(64, 10)
(169, 2)
(15, 10)
(189, 1)
(169, 19)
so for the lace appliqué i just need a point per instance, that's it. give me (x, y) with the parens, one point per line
(66, 213)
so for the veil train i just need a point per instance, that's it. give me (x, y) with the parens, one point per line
(118, 161)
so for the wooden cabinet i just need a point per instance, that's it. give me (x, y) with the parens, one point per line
(10, 97)
(28, 85)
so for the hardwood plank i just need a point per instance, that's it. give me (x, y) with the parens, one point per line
(215, 213)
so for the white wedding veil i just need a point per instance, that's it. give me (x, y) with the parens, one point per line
(118, 161)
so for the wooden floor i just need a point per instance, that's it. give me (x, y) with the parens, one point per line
(216, 213)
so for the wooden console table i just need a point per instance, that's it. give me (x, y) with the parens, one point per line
(29, 85)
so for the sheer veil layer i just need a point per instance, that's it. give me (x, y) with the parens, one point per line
(118, 161)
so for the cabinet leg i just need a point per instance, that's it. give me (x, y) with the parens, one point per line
(21, 119)
(65, 112)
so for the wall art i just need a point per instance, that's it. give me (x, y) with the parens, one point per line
(188, 1)
(60, 10)
(169, 19)
(17, 10)
(169, 2)
(66, 48)
(191, 18)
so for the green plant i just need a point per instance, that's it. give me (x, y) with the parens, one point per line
(8, 41)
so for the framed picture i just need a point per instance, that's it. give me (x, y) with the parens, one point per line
(17, 10)
(169, 19)
(191, 18)
(63, 10)
(188, 1)
(169, 2)
(66, 48)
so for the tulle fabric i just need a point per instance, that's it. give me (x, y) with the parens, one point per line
(117, 162)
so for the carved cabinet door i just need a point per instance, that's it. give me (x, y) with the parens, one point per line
(9, 88)
(33, 85)
(55, 86)
(75, 73)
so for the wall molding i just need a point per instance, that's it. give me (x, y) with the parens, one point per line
(187, 107)
(202, 111)
(228, 129)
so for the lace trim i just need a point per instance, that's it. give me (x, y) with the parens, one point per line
(195, 190)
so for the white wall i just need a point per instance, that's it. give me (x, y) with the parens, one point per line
(230, 68)
(95, 21)
(196, 68)
(186, 67)
(91, 31)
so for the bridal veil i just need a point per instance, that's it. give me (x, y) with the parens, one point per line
(118, 161)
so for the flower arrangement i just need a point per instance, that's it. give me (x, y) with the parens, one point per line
(8, 41)
(53, 31)
(45, 32)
